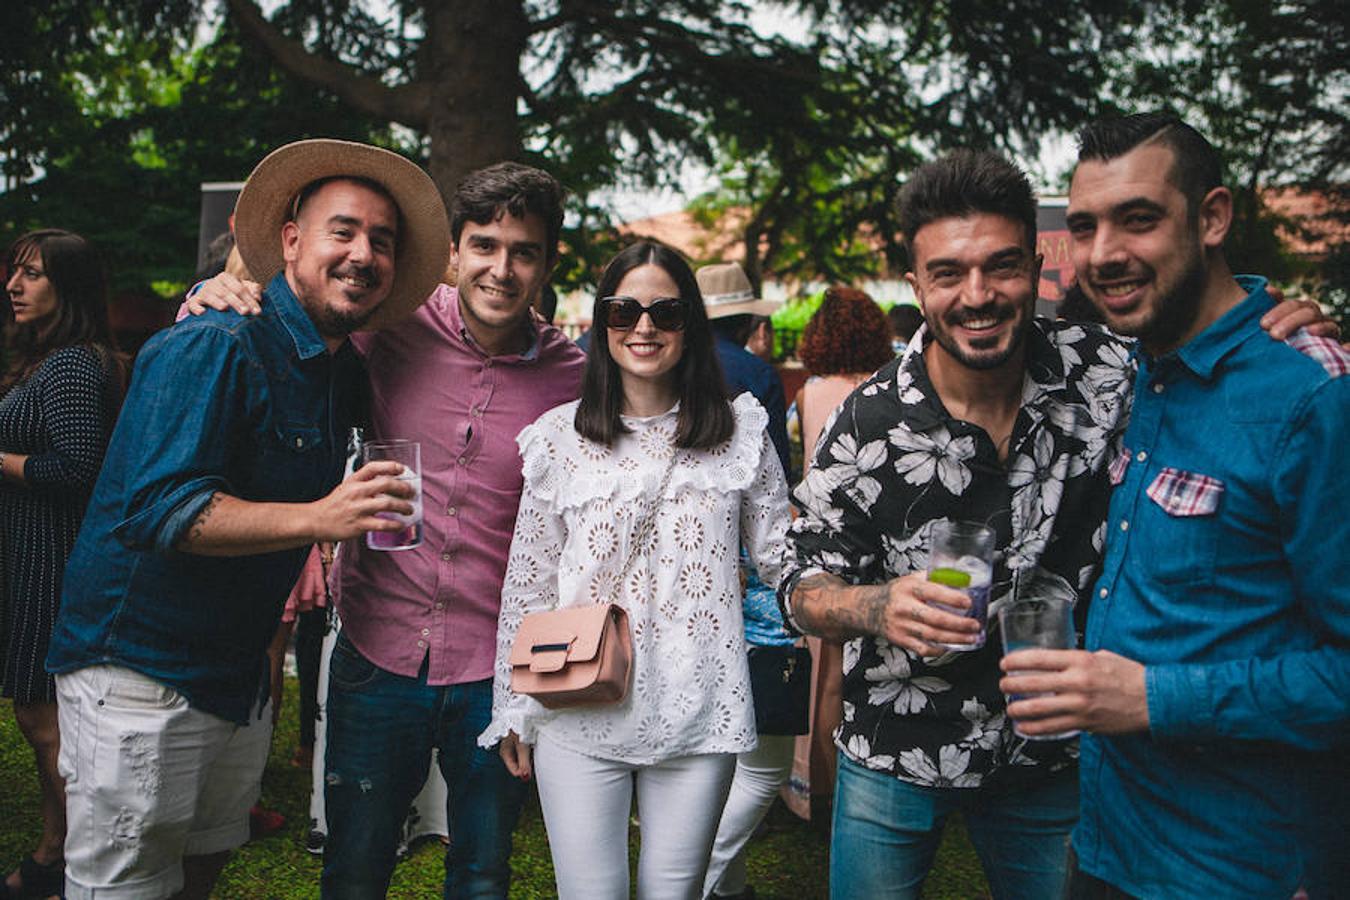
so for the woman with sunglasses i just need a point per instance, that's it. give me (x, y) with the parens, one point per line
(652, 440)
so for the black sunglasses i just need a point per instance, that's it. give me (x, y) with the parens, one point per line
(667, 313)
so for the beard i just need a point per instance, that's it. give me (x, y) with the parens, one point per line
(1176, 310)
(333, 322)
(976, 357)
(330, 322)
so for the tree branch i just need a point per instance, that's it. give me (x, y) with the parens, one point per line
(406, 103)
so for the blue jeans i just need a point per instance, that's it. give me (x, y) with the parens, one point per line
(381, 731)
(886, 832)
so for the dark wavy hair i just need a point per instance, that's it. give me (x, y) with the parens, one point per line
(964, 183)
(705, 418)
(847, 335)
(76, 273)
(509, 187)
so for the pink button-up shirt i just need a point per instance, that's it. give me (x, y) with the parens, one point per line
(431, 383)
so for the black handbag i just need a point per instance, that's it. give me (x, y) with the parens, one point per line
(780, 684)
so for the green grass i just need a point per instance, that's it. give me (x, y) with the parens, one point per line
(789, 859)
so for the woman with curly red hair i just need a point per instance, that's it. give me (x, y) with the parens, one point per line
(844, 343)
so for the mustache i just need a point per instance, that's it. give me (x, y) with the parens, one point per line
(365, 273)
(991, 310)
(1118, 270)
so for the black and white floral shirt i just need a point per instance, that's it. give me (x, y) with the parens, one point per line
(892, 461)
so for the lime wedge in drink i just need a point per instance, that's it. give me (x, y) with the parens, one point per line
(950, 577)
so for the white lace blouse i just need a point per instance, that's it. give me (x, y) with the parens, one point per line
(580, 510)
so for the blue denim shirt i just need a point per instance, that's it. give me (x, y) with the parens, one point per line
(1227, 573)
(254, 407)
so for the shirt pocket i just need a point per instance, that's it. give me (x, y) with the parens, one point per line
(1183, 526)
(296, 463)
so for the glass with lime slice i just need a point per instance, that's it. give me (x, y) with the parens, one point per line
(961, 556)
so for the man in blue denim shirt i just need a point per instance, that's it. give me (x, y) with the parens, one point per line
(219, 476)
(1216, 680)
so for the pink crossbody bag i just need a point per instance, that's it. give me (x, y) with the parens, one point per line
(580, 655)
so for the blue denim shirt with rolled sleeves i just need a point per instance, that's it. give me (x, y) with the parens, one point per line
(1227, 574)
(253, 407)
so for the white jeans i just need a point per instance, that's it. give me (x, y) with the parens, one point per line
(759, 775)
(149, 780)
(586, 803)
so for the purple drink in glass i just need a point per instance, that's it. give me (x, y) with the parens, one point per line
(961, 556)
(972, 578)
(409, 455)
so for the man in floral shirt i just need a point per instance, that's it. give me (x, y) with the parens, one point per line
(991, 416)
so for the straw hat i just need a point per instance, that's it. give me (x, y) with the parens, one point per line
(264, 206)
(726, 292)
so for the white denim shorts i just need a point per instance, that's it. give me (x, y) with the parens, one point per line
(149, 780)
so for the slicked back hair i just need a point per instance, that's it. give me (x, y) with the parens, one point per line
(487, 194)
(965, 183)
(705, 418)
(1197, 168)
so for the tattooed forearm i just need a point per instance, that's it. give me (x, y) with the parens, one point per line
(827, 606)
(199, 524)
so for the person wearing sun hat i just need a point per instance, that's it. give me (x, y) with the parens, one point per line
(222, 471)
(732, 310)
(411, 670)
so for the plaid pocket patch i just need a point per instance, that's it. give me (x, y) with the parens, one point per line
(1183, 493)
(1119, 464)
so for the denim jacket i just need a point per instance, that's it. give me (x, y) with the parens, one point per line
(253, 407)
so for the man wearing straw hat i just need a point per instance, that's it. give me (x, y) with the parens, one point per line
(224, 468)
(732, 307)
(412, 667)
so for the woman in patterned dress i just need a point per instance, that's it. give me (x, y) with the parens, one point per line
(60, 386)
(642, 492)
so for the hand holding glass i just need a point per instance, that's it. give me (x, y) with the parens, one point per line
(409, 455)
(1037, 623)
(961, 556)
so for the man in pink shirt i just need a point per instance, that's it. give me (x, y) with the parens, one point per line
(412, 669)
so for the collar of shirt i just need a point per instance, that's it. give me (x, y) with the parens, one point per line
(1203, 353)
(308, 343)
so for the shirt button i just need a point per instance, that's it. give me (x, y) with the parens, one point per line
(1157, 389)
(440, 606)
(1102, 593)
(421, 643)
(461, 460)
(1141, 455)
(450, 510)
(426, 631)
(1124, 525)
(445, 557)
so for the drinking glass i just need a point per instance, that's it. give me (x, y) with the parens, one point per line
(961, 556)
(1037, 622)
(409, 455)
